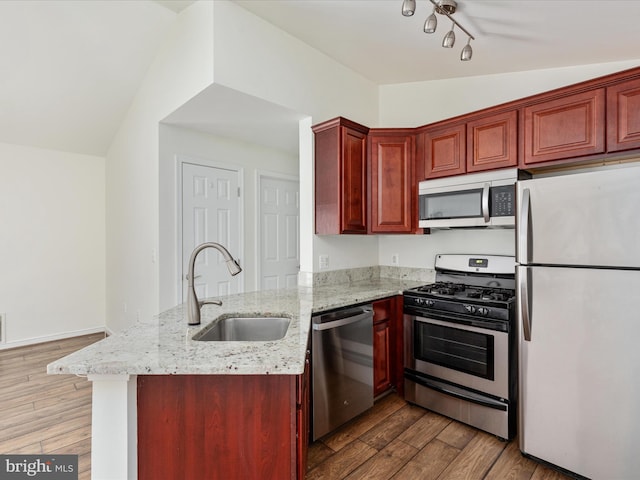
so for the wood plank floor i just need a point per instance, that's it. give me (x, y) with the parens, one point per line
(42, 413)
(51, 414)
(400, 441)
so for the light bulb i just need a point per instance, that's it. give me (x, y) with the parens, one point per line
(467, 51)
(431, 23)
(450, 38)
(408, 7)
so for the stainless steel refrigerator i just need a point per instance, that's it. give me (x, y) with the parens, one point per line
(578, 254)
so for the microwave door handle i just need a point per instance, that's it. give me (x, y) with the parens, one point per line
(485, 202)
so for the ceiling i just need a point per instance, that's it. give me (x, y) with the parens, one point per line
(373, 38)
(70, 68)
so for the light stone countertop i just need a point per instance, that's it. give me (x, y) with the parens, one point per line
(163, 345)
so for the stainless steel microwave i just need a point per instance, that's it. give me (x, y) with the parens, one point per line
(485, 199)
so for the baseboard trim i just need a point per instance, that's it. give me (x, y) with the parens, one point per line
(51, 338)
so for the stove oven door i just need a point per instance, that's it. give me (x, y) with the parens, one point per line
(467, 356)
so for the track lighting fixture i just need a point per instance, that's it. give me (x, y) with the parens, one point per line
(446, 8)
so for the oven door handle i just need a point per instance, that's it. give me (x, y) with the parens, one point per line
(455, 392)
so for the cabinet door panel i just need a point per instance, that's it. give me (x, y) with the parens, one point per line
(381, 350)
(391, 184)
(444, 151)
(492, 142)
(340, 177)
(246, 420)
(354, 178)
(623, 116)
(563, 128)
(384, 316)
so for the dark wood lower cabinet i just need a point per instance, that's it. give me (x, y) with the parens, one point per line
(387, 345)
(303, 419)
(381, 358)
(222, 426)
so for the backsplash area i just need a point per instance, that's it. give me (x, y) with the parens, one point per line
(365, 273)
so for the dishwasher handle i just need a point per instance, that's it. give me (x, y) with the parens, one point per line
(366, 313)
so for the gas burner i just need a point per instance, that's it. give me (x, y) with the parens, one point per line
(500, 295)
(443, 288)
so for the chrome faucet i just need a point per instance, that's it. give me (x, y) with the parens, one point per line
(193, 305)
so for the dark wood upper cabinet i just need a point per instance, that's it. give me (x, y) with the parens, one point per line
(340, 177)
(623, 116)
(392, 193)
(444, 151)
(571, 126)
(366, 180)
(492, 142)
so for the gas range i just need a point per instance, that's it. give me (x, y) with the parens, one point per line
(459, 338)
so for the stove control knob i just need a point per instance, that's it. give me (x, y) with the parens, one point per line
(470, 308)
(429, 303)
(484, 311)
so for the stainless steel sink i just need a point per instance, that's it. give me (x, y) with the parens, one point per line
(244, 329)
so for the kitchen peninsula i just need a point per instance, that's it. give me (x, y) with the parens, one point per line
(153, 378)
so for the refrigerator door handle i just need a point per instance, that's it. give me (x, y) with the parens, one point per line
(485, 202)
(523, 227)
(524, 282)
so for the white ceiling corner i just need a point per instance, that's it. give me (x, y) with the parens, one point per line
(70, 69)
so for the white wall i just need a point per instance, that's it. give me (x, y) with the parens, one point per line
(52, 244)
(182, 68)
(420, 103)
(254, 57)
(252, 159)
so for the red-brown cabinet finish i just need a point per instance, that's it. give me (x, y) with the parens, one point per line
(217, 427)
(303, 406)
(382, 325)
(340, 177)
(492, 142)
(444, 151)
(392, 194)
(571, 126)
(623, 116)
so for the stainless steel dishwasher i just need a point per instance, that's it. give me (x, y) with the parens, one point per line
(342, 366)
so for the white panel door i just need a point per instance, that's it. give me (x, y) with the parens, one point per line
(279, 205)
(210, 213)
